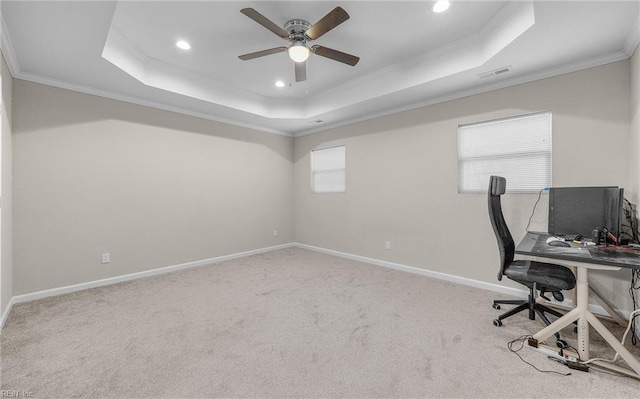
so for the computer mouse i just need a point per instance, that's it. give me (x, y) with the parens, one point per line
(558, 243)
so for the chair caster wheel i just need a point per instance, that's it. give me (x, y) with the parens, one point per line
(497, 323)
(496, 306)
(562, 344)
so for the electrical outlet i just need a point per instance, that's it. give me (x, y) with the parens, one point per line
(106, 258)
(275, 233)
(387, 245)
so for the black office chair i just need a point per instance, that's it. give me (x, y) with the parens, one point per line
(543, 277)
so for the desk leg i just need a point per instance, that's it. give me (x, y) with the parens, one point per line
(585, 317)
(557, 325)
(615, 344)
(605, 305)
(574, 293)
(582, 304)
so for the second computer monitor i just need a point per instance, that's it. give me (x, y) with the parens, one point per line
(580, 210)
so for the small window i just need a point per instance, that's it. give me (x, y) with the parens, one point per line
(328, 170)
(517, 148)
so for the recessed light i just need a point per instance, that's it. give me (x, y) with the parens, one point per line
(183, 45)
(441, 6)
(279, 83)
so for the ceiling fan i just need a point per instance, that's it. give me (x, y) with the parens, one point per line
(299, 32)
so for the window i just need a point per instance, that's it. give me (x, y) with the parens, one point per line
(328, 174)
(517, 148)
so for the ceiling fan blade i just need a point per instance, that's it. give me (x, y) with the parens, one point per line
(301, 71)
(262, 53)
(266, 22)
(335, 55)
(337, 16)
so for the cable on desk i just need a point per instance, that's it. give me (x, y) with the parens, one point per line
(629, 222)
(521, 340)
(630, 218)
(534, 208)
(635, 285)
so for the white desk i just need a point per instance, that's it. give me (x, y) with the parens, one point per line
(533, 246)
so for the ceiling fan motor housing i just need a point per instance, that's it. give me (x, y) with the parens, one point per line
(297, 29)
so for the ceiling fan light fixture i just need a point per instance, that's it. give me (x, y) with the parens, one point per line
(441, 6)
(298, 52)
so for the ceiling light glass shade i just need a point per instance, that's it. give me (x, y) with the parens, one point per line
(298, 53)
(441, 6)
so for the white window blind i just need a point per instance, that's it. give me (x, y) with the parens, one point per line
(328, 170)
(517, 148)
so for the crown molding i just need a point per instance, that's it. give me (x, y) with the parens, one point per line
(146, 103)
(633, 38)
(6, 45)
(606, 59)
(548, 73)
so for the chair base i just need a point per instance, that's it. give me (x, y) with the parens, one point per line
(533, 308)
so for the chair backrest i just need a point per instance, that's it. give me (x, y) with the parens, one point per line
(497, 187)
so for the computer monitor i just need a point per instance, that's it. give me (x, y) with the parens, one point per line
(580, 210)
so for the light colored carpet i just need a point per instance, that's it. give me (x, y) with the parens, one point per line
(289, 323)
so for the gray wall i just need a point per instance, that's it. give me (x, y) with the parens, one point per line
(6, 245)
(402, 176)
(152, 188)
(634, 142)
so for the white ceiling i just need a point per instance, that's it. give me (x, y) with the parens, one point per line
(409, 56)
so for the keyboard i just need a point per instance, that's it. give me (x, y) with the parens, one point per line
(572, 237)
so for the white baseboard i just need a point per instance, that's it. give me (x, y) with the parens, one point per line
(127, 277)
(596, 309)
(5, 314)
(424, 272)
(168, 269)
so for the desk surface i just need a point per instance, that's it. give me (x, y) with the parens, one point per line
(535, 244)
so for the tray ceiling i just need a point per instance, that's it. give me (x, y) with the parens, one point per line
(409, 55)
